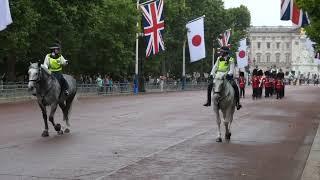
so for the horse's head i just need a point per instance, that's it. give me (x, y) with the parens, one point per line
(219, 82)
(34, 76)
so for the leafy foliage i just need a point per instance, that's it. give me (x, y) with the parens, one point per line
(313, 9)
(98, 36)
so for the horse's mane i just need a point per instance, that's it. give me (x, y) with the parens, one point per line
(34, 66)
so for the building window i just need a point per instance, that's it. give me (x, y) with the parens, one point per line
(259, 45)
(287, 58)
(297, 43)
(278, 57)
(278, 45)
(258, 57)
(268, 57)
(268, 45)
(288, 45)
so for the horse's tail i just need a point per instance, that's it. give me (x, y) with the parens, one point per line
(69, 103)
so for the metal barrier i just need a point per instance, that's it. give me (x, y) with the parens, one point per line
(20, 91)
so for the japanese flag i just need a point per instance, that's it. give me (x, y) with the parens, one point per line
(196, 39)
(242, 55)
(5, 15)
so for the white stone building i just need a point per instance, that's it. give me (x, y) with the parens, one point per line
(283, 47)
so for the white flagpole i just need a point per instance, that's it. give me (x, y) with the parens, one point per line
(147, 2)
(213, 54)
(137, 55)
(184, 59)
(137, 43)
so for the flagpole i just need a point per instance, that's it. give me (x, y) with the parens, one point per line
(213, 53)
(147, 2)
(196, 19)
(184, 59)
(184, 65)
(137, 56)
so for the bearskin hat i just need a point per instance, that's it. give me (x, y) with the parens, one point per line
(267, 73)
(260, 72)
(241, 74)
(280, 75)
(255, 72)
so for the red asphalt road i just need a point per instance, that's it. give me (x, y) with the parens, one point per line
(161, 136)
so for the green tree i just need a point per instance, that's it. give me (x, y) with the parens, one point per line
(313, 9)
(98, 36)
(15, 43)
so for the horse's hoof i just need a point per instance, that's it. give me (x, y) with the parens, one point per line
(219, 139)
(67, 130)
(60, 132)
(45, 134)
(228, 136)
(57, 127)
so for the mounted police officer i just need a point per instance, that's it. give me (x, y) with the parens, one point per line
(226, 64)
(54, 62)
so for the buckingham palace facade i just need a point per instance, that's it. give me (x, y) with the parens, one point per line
(281, 47)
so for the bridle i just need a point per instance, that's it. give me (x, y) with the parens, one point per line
(38, 78)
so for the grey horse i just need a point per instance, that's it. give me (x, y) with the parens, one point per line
(224, 100)
(48, 92)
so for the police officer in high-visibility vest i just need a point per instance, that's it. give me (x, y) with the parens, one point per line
(54, 62)
(226, 64)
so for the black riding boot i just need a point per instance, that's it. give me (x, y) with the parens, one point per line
(63, 83)
(65, 86)
(210, 86)
(236, 94)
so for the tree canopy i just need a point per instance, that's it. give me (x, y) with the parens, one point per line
(98, 36)
(313, 9)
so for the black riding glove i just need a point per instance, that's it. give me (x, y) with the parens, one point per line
(229, 77)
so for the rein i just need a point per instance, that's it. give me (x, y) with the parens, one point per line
(39, 76)
(37, 81)
(220, 93)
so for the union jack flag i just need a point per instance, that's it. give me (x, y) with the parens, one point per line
(290, 11)
(224, 38)
(153, 24)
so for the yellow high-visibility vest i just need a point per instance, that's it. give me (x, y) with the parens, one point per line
(223, 65)
(55, 64)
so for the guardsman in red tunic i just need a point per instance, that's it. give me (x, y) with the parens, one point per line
(260, 76)
(271, 80)
(267, 84)
(279, 87)
(255, 85)
(274, 85)
(242, 84)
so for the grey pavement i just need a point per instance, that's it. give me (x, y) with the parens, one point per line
(161, 136)
(312, 168)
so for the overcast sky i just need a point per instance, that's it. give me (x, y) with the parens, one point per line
(263, 12)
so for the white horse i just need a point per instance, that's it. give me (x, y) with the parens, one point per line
(48, 92)
(223, 99)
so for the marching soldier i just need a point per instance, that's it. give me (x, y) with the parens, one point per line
(242, 84)
(255, 84)
(267, 84)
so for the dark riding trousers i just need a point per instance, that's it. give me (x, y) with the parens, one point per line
(63, 83)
